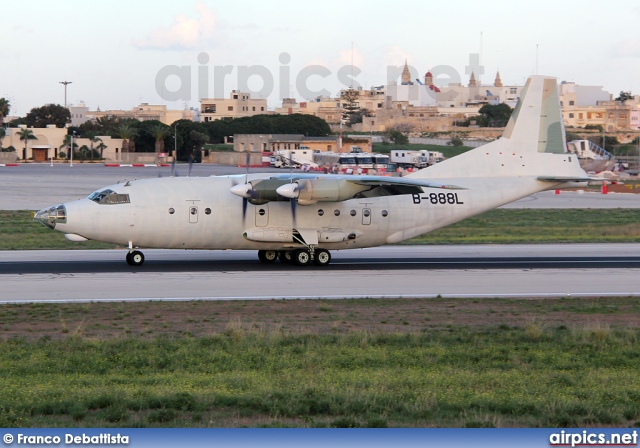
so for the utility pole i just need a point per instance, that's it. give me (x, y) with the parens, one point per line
(66, 83)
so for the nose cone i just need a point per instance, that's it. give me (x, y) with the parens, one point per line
(242, 190)
(52, 215)
(290, 191)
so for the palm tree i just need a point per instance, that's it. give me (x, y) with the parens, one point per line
(160, 132)
(93, 138)
(67, 142)
(127, 133)
(5, 106)
(101, 147)
(3, 132)
(25, 136)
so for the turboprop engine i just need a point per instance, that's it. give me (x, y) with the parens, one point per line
(311, 191)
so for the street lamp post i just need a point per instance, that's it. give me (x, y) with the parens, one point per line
(65, 83)
(175, 142)
(71, 148)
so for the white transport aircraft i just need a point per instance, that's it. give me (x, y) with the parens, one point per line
(299, 218)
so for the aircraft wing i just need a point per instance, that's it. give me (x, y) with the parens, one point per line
(310, 188)
(370, 180)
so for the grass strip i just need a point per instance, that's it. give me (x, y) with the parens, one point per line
(18, 231)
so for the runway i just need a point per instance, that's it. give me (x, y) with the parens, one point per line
(390, 271)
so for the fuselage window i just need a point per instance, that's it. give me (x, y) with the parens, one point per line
(337, 212)
(172, 211)
(353, 213)
(207, 211)
(320, 212)
(385, 213)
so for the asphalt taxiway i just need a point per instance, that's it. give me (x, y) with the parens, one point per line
(390, 271)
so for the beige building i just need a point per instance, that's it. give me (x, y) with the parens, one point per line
(145, 112)
(282, 142)
(325, 108)
(239, 104)
(49, 141)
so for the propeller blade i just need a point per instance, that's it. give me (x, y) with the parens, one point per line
(173, 167)
(190, 165)
(294, 206)
(245, 202)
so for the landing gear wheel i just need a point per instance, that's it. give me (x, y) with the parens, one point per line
(301, 257)
(267, 256)
(285, 256)
(135, 258)
(322, 257)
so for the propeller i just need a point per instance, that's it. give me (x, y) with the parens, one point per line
(292, 191)
(292, 201)
(190, 165)
(244, 190)
(173, 167)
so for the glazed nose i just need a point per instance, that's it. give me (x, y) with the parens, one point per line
(50, 216)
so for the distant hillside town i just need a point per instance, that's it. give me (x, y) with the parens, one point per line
(415, 107)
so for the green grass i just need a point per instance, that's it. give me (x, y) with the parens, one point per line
(472, 363)
(501, 376)
(504, 226)
(18, 231)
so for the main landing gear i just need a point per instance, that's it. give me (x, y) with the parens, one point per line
(299, 257)
(135, 258)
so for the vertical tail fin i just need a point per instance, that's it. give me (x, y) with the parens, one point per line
(537, 116)
(533, 143)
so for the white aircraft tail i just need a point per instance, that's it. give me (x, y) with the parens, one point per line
(533, 143)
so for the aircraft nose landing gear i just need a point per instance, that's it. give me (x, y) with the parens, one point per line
(135, 258)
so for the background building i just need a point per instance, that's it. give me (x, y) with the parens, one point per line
(239, 104)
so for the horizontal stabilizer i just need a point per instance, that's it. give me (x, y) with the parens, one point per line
(571, 179)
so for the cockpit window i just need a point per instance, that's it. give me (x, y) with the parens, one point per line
(108, 197)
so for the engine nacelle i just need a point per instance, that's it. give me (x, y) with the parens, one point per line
(311, 191)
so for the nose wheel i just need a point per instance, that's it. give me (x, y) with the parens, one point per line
(135, 258)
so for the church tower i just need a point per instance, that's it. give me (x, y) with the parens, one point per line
(428, 79)
(472, 80)
(498, 81)
(406, 75)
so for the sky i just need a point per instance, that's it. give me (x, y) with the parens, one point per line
(119, 53)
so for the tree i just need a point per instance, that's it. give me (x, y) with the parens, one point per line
(3, 132)
(67, 143)
(159, 132)
(25, 136)
(455, 141)
(93, 138)
(5, 107)
(349, 102)
(101, 147)
(40, 117)
(495, 116)
(127, 133)
(398, 137)
(624, 96)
